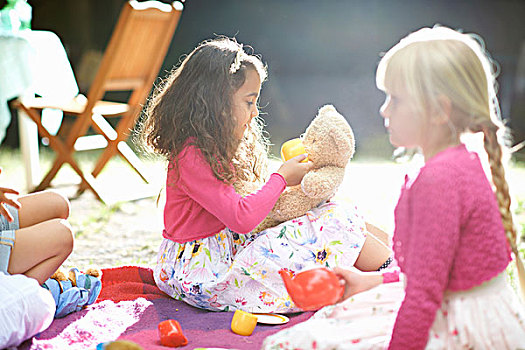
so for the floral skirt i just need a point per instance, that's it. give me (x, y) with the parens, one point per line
(485, 317)
(230, 271)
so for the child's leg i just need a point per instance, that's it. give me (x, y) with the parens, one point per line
(379, 234)
(40, 249)
(44, 239)
(373, 254)
(42, 206)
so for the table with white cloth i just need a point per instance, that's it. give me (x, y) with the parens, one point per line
(33, 62)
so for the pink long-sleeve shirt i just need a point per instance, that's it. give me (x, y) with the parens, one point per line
(198, 205)
(448, 236)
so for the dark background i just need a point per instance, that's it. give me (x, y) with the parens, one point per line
(317, 52)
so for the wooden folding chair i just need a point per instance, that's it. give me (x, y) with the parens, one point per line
(130, 63)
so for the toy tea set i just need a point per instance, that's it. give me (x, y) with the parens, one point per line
(292, 148)
(310, 290)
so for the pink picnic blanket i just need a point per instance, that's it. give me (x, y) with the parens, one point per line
(130, 307)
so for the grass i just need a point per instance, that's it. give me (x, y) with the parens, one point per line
(96, 222)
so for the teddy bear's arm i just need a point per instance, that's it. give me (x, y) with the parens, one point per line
(323, 182)
(291, 204)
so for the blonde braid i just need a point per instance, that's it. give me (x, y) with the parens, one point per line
(494, 152)
(493, 149)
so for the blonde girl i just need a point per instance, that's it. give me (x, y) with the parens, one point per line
(204, 120)
(454, 233)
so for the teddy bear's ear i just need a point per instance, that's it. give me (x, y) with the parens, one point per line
(326, 109)
(72, 277)
(59, 275)
(94, 272)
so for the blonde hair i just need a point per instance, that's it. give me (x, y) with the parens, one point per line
(439, 61)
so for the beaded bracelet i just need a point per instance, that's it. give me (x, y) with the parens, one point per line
(385, 264)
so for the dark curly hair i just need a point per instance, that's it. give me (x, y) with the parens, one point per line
(195, 102)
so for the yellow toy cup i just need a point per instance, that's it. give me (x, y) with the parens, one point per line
(243, 323)
(292, 148)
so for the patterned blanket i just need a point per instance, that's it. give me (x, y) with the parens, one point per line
(130, 307)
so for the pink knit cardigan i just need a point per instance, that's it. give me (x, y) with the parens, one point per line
(448, 236)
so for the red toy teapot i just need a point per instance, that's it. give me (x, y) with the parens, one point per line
(313, 289)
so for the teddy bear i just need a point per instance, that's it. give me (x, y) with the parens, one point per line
(329, 143)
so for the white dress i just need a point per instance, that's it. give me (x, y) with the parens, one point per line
(228, 271)
(485, 317)
(26, 309)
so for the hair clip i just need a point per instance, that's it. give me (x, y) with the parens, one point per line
(236, 65)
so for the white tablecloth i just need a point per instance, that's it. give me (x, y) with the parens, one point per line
(32, 61)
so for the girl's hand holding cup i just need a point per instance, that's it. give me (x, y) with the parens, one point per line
(293, 170)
